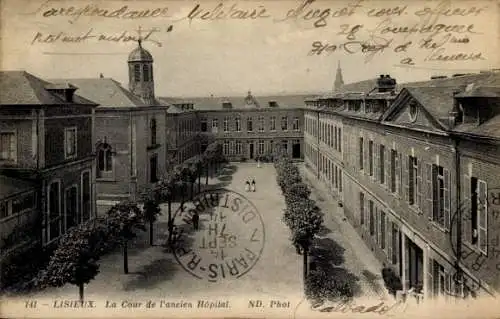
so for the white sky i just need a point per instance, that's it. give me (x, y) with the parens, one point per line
(231, 56)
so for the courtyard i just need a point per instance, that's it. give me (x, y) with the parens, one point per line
(276, 275)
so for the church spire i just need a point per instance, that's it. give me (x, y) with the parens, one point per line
(339, 81)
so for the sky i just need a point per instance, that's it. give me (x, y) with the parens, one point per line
(287, 47)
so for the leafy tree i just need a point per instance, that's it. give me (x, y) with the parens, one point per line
(75, 259)
(167, 193)
(297, 191)
(151, 207)
(305, 220)
(126, 217)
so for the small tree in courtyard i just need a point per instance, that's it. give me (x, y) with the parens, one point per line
(75, 259)
(305, 222)
(151, 207)
(128, 218)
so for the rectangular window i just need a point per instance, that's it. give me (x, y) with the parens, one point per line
(239, 147)
(153, 168)
(441, 280)
(70, 142)
(340, 140)
(370, 158)
(372, 217)
(361, 208)
(361, 155)
(476, 227)
(8, 146)
(237, 123)
(394, 157)
(54, 211)
(381, 159)
(249, 124)
(271, 146)
(382, 229)
(413, 178)
(295, 124)
(272, 126)
(226, 124)
(215, 125)
(261, 124)
(72, 215)
(203, 123)
(395, 243)
(284, 123)
(261, 147)
(86, 199)
(137, 72)
(225, 148)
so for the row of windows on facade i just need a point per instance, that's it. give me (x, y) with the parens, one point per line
(328, 133)
(250, 128)
(424, 186)
(332, 174)
(236, 147)
(58, 219)
(147, 73)
(386, 234)
(8, 145)
(375, 221)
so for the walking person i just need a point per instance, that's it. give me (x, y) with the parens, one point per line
(196, 219)
(247, 186)
(253, 185)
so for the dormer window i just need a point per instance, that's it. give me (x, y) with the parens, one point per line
(413, 111)
(273, 104)
(227, 105)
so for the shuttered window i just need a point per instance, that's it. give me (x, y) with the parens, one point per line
(482, 216)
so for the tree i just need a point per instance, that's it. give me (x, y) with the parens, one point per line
(298, 191)
(151, 207)
(75, 259)
(305, 220)
(167, 193)
(127, 218)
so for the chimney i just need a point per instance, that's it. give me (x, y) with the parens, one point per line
(385, 83)
(273, 104)
(435, 77)
(101, 76)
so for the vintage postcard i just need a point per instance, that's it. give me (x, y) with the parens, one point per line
(249, 159)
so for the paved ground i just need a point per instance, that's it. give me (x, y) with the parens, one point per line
(358, 258)
(277, 275)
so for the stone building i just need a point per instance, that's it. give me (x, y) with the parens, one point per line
(250, 126)
(47, 166)
(131, 131)
(402, 160)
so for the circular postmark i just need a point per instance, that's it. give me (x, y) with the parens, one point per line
(476, 250)
(220, 236)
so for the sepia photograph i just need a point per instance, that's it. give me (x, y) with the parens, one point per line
(249, 159)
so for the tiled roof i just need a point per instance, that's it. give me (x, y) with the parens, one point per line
(10, 186)
(480, 91)
(106, 92)
(238, 102)
(23, 88)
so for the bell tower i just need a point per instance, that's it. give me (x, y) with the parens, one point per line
(140, 70)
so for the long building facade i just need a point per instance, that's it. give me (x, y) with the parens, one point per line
(415, 169)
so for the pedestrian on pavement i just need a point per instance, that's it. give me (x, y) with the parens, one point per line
(196, 219)
(247, 186)
(253, 185)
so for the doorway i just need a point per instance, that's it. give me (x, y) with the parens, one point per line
(296, 149)
(251, 149)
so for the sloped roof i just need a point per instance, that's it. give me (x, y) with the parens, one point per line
(23, 88)
(238, 102)
(480, 91)
(10, 186)
(105, 91)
